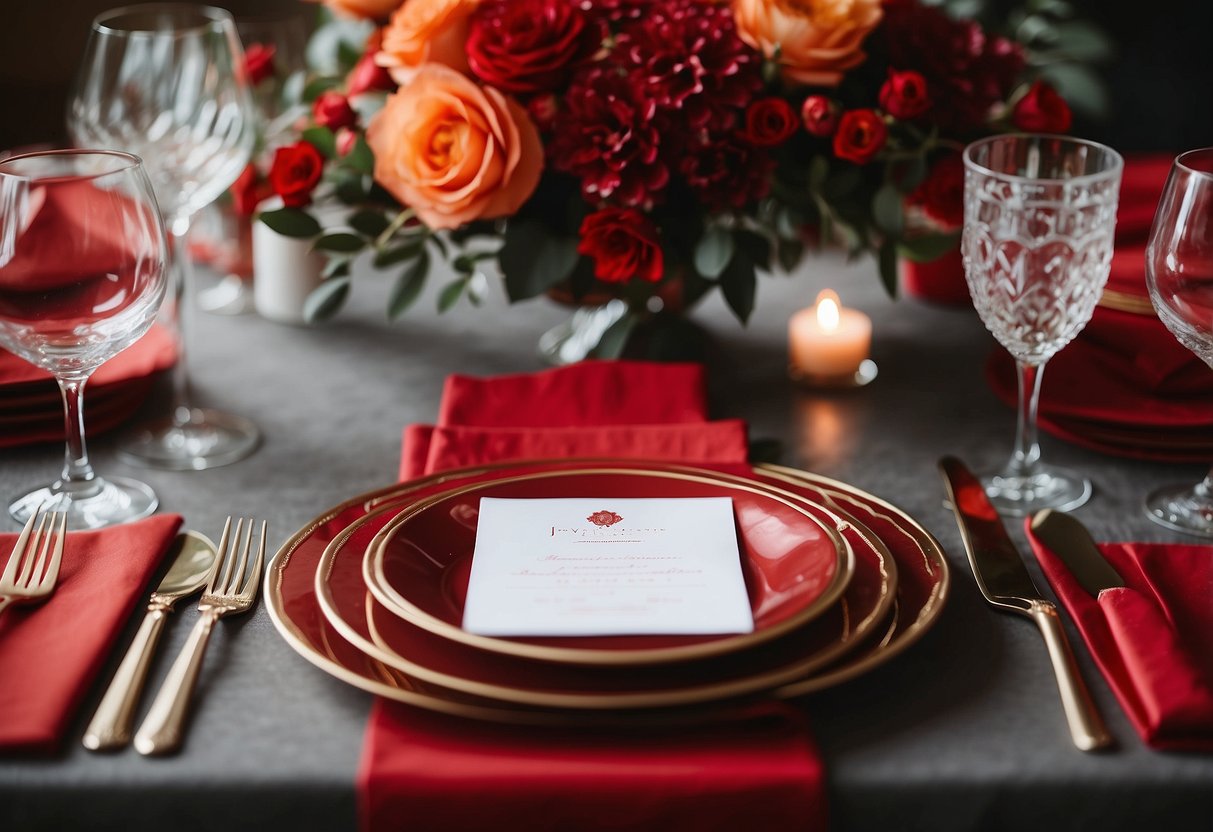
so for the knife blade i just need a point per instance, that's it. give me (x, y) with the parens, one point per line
(1004, 581)
(1069, 539)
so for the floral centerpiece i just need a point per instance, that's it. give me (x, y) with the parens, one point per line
(649, 151)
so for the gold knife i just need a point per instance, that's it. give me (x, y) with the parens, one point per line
(1005, 583)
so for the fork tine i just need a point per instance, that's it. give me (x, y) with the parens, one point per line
(249, 592)
(27, 566)
(221, 555)
(52, 571)
(10, 570)
(238, 573)
(225, 586)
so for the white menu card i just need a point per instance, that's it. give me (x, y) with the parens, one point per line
(581, 567)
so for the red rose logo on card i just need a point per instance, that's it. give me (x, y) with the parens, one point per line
(604, 518)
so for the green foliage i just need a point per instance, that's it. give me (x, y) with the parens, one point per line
(291, 222)
(533, 259)
(326, 299)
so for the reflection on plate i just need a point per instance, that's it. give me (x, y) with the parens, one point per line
(796, 564)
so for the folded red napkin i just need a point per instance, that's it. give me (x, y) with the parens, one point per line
(1153, 638)
(420, 769)
(50, 653)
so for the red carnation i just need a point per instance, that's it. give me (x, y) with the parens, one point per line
(941, 194)
(861, 134)
(332, 110)
(259, 62)
(248, 191)
(1042, 110)
(296, 172)
(904, 94)
(820, 116)
(524, 46)
(727, 173)
(769, 122)
(624, 245)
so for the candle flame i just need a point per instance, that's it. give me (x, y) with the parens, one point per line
(827, 310)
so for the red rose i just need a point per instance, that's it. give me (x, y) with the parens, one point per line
(769, 122)
(624, 244)
(861, 135)
(904, 94)
(941, 194)
(296, 172)
(259, 62)
(248, 191)
(523, 46)
(1042, 110)
(332, 110)
(820, 116)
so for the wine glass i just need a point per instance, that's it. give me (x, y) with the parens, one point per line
(1040, 211)
(1179, 274)
(166, 81)
(82, 274)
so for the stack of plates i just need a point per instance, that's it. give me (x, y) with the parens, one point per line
(372, 592)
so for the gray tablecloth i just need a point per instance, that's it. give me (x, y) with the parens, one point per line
(964, 731)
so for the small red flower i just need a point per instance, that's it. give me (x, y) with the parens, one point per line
(368, 76)
(543, 110)
(941, 194)
(820, 116)
(904, 94)
(259, 62)
(769, 122)
(1042, 110)
(295, 172)
(624, 245)
(861, 134)
(248, 191)
(332, 110)
(346, 139)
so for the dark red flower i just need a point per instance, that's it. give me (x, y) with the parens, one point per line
(624, 245)
(543, 110)
(524, 46)
(259, 62)
(295, 172)
(941, 194)
(820, 116)
(727, 173)
(769, 122)
(904, 94)
(1042, 110)
(861, 134)
(248, 191)
(332, 110)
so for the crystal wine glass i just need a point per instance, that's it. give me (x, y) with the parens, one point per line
(1040, 211)
(1179, 274)
(166, 81)
(82, 274)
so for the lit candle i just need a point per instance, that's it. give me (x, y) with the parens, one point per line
(828, 343)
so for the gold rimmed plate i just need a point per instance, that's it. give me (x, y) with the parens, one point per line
(795, 562)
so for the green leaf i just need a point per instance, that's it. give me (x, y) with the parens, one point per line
(391, 256)
(913, 173)
(615, 340)
(465, 264)
(790, 252)
(336, 267)
(451, 294)
(292, 222)
(1079, 86)
(351, 189)
(819, 171)
(369, 223)
(713, 251)
(348, 54)
(361, 158)
(408, 286)
(534, 260)
(888, 267)
(928, 247)
(316, 86)
(323, 139)
(441, 245)
(1082, 42)
(341, 243)
(756, 247)
(739, 285)
(326, 299)
(888, 210)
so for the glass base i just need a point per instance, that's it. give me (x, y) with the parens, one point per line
(209, 439)
(230, 296)
(574, 339)
(1182, 509)
(106, 503)
(1048, 487)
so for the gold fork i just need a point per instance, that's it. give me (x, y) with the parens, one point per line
(228, 592)
(37, 578)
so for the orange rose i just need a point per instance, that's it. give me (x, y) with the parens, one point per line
(369, 9)
(426, 31)
(454, 151)
(816, 40)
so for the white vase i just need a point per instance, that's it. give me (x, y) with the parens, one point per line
(285, 271)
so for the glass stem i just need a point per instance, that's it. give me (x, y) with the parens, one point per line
(78, 478)
(180, 286)
(1026, 455)
(1204, 489)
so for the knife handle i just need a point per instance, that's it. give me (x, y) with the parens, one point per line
(1087, 727)
(111, 725)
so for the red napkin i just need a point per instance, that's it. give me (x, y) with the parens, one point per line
(420, 769)
(1152, 639)
(50, 653)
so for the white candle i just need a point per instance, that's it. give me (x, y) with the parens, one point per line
(828, 341)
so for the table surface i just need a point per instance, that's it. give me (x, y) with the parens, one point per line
(963, 731)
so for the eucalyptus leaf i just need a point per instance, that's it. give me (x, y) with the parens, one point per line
(713, 251)
(408, 286)
(326, 299)
(292, 222)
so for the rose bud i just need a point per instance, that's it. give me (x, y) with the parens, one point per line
(332, 110)
(296, 172)
(861, 134)
(820, 116)
(543, 109)
(346, 139)
(1042, 110)
(769, 122)
(259, 62)
(904, 95)
(368, 76)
